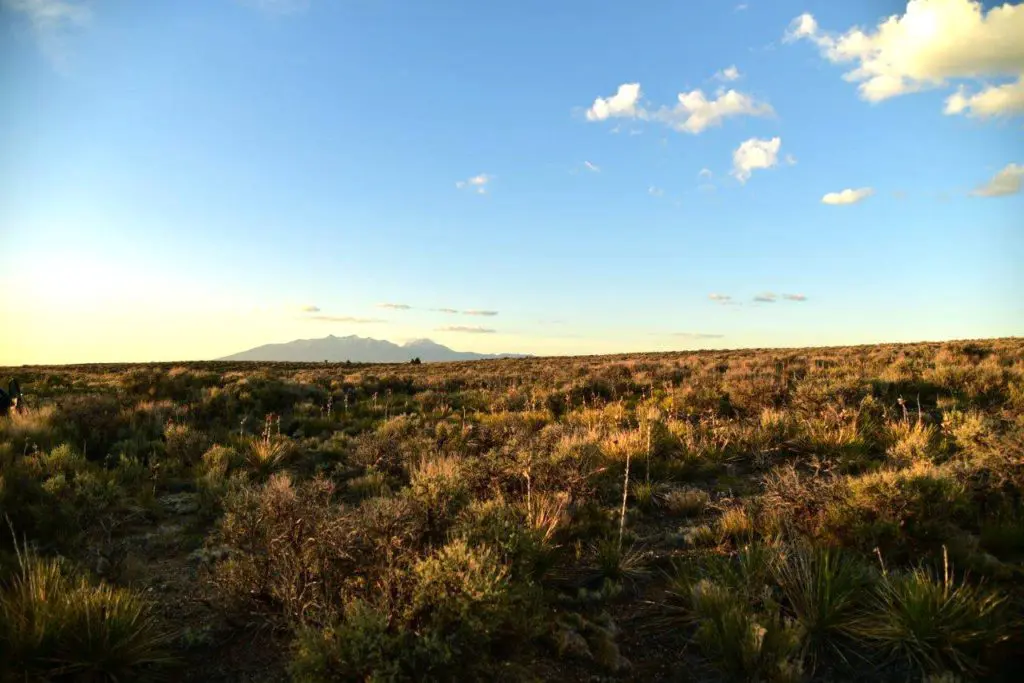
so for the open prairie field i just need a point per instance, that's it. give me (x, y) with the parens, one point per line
(759, 515)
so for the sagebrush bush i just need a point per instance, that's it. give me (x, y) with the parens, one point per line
(293, 550)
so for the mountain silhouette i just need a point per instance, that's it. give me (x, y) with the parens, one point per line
(360, 350)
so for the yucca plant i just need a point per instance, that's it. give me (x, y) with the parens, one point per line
(823, 589)
(267, 454)
(54, 624)
(617, 562)
(935, 622)
(743, 644)
(643, 493)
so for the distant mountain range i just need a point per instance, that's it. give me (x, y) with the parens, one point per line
(359, 350)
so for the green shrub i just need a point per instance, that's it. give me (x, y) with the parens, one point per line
(185, 444)
(361, 647)
(93, 423)
(527, 549)
(465, 611)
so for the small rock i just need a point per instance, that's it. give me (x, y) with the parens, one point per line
(204, 556)
(180, 503)
(570, 643)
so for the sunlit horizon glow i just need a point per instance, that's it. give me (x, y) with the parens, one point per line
(184, 181)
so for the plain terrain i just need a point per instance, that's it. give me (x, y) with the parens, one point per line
(758, 515)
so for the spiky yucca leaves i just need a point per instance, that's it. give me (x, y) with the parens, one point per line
(610, 560)
(744, 645)
(822, 589)
(935, 622)
(267, 454)
(54, 625)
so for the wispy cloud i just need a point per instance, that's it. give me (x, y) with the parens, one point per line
(705, 173)
(310, 309)
(477, 183)
(766, 298)
(728, 74)
(344, 319)
(395, 307)
(592, 167)
(720, 298)
(848, 196)
(478, 312)
(655, 191)
(52, 21)
(1005, 182)
(794, 297)
(446, 310)
(740, 7)
(693, 112)
(466, 330)
(697, 335)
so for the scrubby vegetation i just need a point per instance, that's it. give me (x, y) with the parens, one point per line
(790, 515)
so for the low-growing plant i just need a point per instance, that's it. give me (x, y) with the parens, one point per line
(936, 622)
(742, 644)
(685, 502)
(823, 589)
(56, 625)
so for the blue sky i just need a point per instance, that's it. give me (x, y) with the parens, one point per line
(179, 180)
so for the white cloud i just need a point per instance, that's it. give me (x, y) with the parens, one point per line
(592, 167)
(933, 42)
(794, 297)
(478, 312)
(655, 191)
(740, 7)
(994, 100)
(754, 154)
(51, 22)
(847, 196)
(767, 298)
(311, 309)
(720, 298)
(693, 112)
(477, 183)
(344, 319)
(729, 74)
(1005, 182)
(697, 335)
(705, 173)
(622, 104)
(395, 307)
(468, 330)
